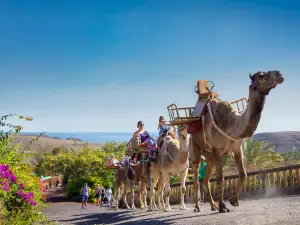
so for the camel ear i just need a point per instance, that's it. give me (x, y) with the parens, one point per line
(251, 77)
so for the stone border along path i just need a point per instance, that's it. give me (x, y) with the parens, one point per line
(272, 211)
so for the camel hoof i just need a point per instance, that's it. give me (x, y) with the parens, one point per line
(214, 207)
(223, 208)
(168, 210)
(196, 210)
(182, 207)
(234, 202)
(151, 209)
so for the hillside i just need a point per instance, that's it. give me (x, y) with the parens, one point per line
(46, 144)
(284, 141)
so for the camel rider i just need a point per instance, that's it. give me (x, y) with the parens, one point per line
(162, 127)
(113, 162)
(165, 130)
(146, 139)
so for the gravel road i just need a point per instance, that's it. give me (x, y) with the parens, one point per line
(273, 211)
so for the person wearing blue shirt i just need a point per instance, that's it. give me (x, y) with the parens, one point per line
(162, 126)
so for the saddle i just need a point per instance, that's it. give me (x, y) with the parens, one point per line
(199, 111)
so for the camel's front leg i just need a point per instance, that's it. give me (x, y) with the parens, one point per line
(238, 157)
(167, 193)
(209, 168)
(141, 190)
(220, 183)
(145, 195)
(161, 186)
(154, 176)
(183, 188)
(126, 186)
(132, 195)
(117, 200)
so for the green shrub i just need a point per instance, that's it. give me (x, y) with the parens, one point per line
(83, 166)
(74, 187)
(21, 196)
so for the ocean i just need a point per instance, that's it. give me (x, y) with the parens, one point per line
(98, 137)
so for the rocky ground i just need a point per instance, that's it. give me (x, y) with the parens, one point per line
(274, 211)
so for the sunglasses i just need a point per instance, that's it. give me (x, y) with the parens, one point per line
(141, 124)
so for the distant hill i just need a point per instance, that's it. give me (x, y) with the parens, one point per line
(46, 144)
(284, 141)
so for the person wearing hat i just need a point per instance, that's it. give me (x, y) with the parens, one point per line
(202, 174)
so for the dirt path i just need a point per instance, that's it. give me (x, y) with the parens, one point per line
(275, 211)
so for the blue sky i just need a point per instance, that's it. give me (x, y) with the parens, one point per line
(104, 65)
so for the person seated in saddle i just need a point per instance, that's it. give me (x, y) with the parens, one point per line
(113, 162)
(146, 140)
(163, 127)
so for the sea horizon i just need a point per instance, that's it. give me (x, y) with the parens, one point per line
(95, 137)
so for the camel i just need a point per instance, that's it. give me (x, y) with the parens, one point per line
(121, 178)
(223, 132)
(133, 175)
(171, 159)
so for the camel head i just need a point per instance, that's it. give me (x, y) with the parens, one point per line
(263, 82)
(183, 137)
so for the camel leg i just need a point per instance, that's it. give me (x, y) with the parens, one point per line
(161, 186)
(209, 168)
(145, 194)
(117, 200)
(183, 188)
(167, 193)
(196, 164)
(126, 186)
(154, 199)
(142, 187)
(220, 183)
(238, 157)
(132, 195)
(154, 177)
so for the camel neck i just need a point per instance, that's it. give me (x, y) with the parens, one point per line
(245, 125)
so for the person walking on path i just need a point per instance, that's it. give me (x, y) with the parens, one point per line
(202, 173)
(85, 192)
(108, 196)
(102, 195)
(98, 195)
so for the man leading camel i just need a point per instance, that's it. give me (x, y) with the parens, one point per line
(202, 173)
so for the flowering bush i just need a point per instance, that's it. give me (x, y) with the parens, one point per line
(20, 195)
(9, 179)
